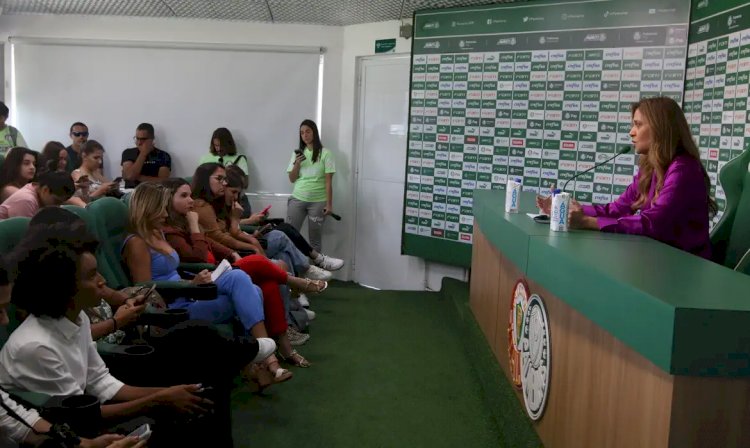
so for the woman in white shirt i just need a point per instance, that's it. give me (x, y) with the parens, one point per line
(52, 351)
(93, 184)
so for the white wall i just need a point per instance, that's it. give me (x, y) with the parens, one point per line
(343, 44)
(359, 40)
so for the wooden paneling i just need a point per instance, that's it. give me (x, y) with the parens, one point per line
(602, 393)
(710, 412)
(484, 285)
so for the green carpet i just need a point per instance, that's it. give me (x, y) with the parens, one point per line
(390, 369)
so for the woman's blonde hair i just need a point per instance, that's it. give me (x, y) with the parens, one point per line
(148, 201)
(670, 137)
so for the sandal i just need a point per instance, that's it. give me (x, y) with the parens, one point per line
(295, 359)
(263, 375)
(315, 286)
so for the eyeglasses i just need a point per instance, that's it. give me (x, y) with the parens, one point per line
(220, 178)
(80, 134)
(141, 139)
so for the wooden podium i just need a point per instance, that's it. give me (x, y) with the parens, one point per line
(649, 345)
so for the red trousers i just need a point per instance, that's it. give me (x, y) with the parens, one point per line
(268, 276)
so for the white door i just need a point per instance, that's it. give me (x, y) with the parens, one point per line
(381, 132)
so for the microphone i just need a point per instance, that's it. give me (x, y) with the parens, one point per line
(624, 150)
(335, 216)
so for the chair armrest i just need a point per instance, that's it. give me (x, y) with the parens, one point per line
(171, 290)
(28, 399)
(163, 318)
(744, 264)
(195, 267)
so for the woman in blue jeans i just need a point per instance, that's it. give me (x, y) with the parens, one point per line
(150, 257)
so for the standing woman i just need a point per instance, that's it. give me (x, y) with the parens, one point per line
(669, 198)
(223, 151)
(18, 170)
(311, 171)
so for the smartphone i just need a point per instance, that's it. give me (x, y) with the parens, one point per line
(299, 152)
(148, 291)
(143, 432)
(542, 219)
(117, 180)
(83, 178)
(265, 210)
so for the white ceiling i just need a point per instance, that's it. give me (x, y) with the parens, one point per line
(319, 12)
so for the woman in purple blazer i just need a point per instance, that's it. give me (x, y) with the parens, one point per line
(669, 197)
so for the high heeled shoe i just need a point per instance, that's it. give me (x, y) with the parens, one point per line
(295, 359)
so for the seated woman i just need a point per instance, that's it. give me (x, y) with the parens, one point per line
(52, 352)
(223, 151)
(54, 157)
(149, 257)
(184, 234)
(220, 221)
(11, 429)
(236, 179)
(18, 170)
(93, 184)
(668, 199)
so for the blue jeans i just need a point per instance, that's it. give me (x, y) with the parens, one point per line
(280, 247)
(238, 296)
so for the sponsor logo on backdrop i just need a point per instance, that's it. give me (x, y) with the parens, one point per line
(507, 41)
(431, 25)
(434, 44)
(467, 23)
(706, 27)
(595, 37)
(702, 4)
(614, 13)
(519, 300)
(496, 21)
(535, 357)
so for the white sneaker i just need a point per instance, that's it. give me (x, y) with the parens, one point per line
(315, 273)
(266, 347)
(310, 314)
(303, 301)
(328, 263)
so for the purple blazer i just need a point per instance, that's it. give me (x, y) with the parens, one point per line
(679, 217)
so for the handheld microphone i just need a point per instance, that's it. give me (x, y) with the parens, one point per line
(335, 216)
(624, 150)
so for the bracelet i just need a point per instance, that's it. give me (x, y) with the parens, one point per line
(114, 325)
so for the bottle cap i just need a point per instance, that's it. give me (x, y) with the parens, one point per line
(556, 191)
(519, 180)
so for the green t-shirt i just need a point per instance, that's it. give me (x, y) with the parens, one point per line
(311, 183)
(228, 160)
(6, 141)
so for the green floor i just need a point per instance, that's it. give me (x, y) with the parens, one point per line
(391, 369)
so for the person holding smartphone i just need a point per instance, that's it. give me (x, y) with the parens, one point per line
(311, 170)
(91, 182)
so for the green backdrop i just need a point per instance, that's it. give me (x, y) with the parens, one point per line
(542, 90)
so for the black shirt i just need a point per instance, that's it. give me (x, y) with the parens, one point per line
(155, 160)
(74, 160)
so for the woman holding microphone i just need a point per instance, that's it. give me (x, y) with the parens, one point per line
(668, 199)
(311, 171)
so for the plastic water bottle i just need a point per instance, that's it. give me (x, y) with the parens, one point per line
(560, 208)
(513, 195)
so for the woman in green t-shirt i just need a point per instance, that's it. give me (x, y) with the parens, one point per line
(223, 151)
(311, 171)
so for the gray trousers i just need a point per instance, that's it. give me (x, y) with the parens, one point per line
(297, 211)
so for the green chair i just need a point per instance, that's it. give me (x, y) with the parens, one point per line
(731, 235)
(112, 217)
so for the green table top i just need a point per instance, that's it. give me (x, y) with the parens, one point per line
(687, 315)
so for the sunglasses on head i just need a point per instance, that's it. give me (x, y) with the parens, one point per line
(80, 134)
